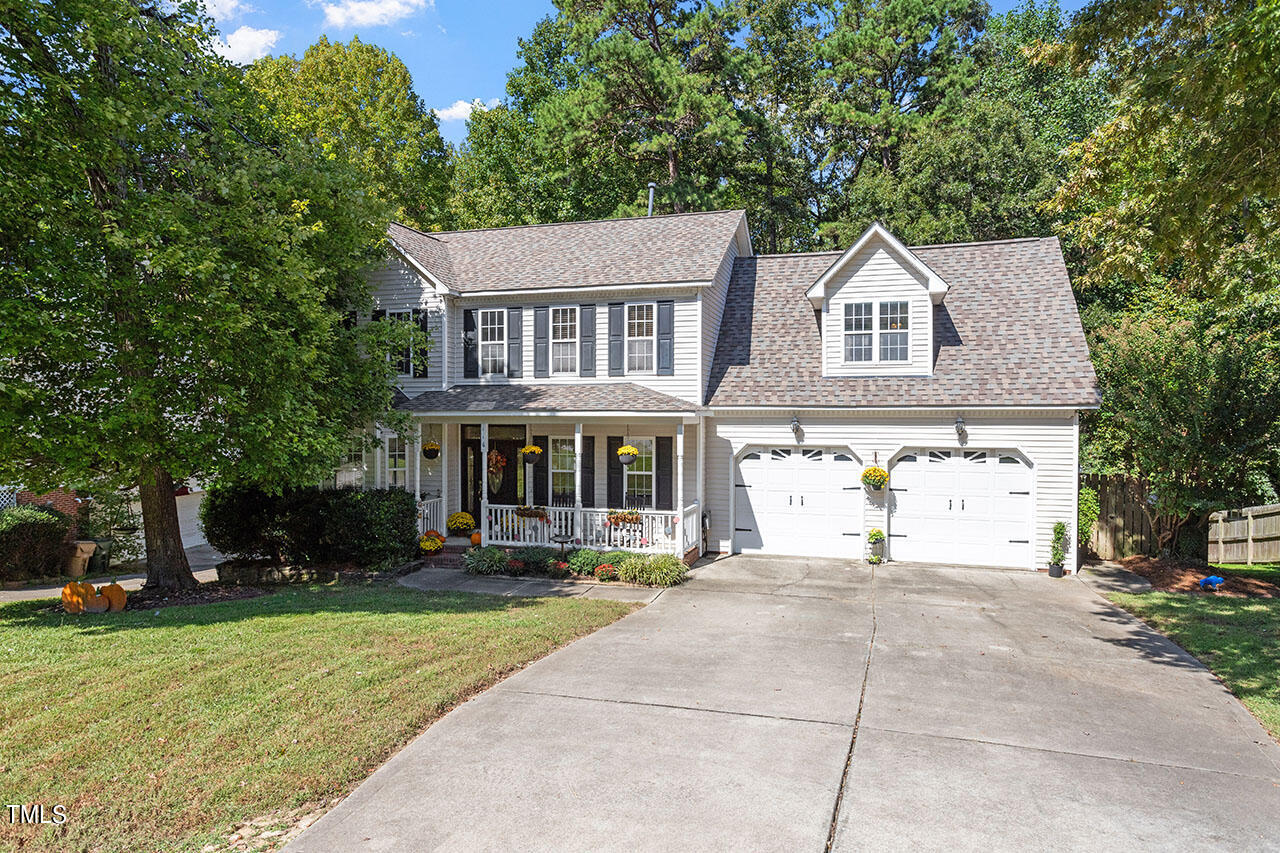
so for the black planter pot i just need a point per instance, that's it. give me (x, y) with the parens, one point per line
(531, 458)
(626, 458)
(430, 453)
(1055, 570)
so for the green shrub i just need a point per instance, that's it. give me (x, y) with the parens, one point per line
(32, 542)
(485, 561)
(537, 560)
(584, 561)
(613, 558)
(1058, 547)
(652, 569)
(367, 528)
(1088, 513)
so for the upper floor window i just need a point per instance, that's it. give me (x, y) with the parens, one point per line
(893, 331)
(404, 364)
(857, 331)
(640, 338)
(493, 341)
(564, 340)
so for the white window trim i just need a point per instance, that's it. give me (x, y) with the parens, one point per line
(552, 470)
(876, 331)
(574, 311)
(627, 338)
(845, 315)
(402, 316)
(651, 474)
(481, 343)
(404, 471)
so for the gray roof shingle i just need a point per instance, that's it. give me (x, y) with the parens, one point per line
(597, 397)
(1007, 334)
(644, 250)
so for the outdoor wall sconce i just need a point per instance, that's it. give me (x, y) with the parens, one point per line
(795, 426)
(961, 432)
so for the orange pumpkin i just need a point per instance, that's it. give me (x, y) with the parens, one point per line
(475, 538)
(115, 595)
(73, 598)
(434, 534)
(97, 604)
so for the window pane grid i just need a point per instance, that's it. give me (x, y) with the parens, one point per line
(493, 341)
(564, 340)
(640, 329)
(639, 478)
(893, 316)
(562, 465)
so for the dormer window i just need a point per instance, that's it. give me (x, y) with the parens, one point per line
(893, 331)
(857, 331)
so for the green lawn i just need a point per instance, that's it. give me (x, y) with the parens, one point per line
(1262, 571)
(1237, 638)
(165, 730)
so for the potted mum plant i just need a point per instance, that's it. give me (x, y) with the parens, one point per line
(431, 450)
(876, 540)
(531, 453)
(875, 478)
(460, 523)
(1058, 549)
(627, 453)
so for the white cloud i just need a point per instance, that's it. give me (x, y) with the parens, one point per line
(459, 110)
(247, 44)
(372, 13)
(225, 10)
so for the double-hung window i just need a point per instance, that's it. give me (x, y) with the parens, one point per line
(640, 338)
(562, 464)
(639, 476)
(493, 342)
(893, 331)
(404, 364)
(564, 340)
(397, 463)
(857, 331)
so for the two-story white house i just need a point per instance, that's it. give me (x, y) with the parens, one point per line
(757, 389)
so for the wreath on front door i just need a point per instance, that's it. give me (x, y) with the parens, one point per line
(497, 469)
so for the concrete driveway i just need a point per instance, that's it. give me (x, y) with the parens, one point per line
(774, 704)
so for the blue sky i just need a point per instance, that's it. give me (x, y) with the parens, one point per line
(457, 51)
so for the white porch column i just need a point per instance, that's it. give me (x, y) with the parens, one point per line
(702, 476)
(483, 520)
(577, 480)
(680, 546)
(417, 464)
(444, 471)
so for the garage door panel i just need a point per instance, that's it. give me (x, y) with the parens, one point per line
(802, 501)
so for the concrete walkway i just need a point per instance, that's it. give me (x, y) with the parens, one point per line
(202, 558)
(804, 705)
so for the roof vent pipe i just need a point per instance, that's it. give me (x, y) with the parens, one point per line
(652, 186)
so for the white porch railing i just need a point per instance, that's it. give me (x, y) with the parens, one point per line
(658, 532)
(431, 515)
(692, 522)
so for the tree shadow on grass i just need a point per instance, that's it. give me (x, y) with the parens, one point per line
(370, 598)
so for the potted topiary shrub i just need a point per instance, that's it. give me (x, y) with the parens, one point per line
(1058, 549)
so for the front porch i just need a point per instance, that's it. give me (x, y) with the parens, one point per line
(576, 494)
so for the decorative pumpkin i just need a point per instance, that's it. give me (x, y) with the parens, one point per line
(97, 604)
(116, 595)
(433, 533)
(475, 538)
(73, 597)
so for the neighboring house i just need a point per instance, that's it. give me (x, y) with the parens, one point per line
(756, 387)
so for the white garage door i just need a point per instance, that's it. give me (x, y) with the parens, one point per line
(798, 500)
(971, 507)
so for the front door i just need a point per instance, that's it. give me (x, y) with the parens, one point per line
(501, 475)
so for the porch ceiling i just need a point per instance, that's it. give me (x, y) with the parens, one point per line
(551, 398)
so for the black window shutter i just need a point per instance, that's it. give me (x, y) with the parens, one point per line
(541, 341)
(541, 469)
(349, 320)
(515, 343)
(424, 323)
(614, 471)
(616, 348)
(664, 493)
(587, 338)
(470, 350)
(666, 338)
(588, 470)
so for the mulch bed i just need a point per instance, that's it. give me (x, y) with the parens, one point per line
(205, 593)
(1175, 576)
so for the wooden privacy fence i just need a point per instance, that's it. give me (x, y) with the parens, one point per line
(1122, 529)
(1249, 535)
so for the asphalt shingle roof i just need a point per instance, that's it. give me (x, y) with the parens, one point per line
(643, 250)
(598, 397)
(1007, 334)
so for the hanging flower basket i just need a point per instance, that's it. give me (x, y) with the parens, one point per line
(875, 478)
(531, 453)
(627, 454)
(431, 450)
(623, 516)
(531, 512)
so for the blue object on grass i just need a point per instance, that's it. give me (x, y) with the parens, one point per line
(1212, 582)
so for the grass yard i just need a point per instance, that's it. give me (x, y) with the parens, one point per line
(170, 729)
(1237, 638)
(1269, 572)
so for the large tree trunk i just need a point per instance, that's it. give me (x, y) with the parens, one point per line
(167, 566)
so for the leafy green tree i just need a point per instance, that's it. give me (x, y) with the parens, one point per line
(654, 83)
(1185, 178)
(1191, 406)
(357, 101)
(174, 274)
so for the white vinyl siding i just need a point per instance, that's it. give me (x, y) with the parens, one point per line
(396, 288)
(1047, 439)
(877, 276)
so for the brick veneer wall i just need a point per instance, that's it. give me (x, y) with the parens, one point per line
(63, 501)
